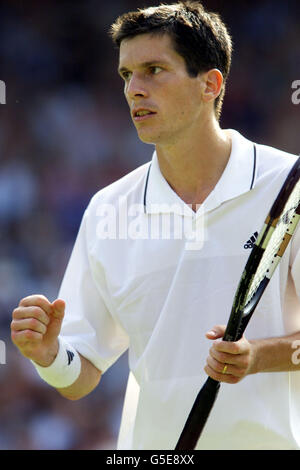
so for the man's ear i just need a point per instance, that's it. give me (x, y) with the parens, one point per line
(212, 82)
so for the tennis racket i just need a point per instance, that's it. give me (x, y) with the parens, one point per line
(267, 252)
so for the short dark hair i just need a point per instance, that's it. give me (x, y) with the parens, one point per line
(198, 35)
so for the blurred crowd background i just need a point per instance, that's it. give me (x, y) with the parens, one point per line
(65, 133)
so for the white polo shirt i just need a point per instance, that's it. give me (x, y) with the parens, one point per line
(134, 282)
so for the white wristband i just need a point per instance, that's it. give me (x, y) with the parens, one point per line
(65, 369)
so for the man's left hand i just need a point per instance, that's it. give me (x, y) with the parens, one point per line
(228, 361)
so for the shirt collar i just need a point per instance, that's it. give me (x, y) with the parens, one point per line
(238, 178)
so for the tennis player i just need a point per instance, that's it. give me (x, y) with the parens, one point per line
(130, 287)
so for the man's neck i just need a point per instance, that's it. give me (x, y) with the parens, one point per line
(193, 167)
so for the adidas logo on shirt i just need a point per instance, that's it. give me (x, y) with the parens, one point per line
(250, 243)
(70, 357)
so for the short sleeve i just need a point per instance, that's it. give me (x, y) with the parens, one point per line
(89, 324)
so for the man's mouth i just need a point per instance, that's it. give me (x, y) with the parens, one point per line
(142, 114)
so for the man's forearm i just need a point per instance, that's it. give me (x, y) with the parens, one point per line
(276, 354)
(230, 362)
(87, 381)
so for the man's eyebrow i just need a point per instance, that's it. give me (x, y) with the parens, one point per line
(144, 65)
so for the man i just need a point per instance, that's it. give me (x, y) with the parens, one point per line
(158, 295)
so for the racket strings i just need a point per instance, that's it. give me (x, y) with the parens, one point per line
(274, 242)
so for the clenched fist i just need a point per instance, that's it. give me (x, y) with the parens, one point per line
(35, 328)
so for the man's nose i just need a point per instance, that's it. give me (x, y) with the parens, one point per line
(135, 87)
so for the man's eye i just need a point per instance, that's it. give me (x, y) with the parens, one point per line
(155, 69)
(126, 75)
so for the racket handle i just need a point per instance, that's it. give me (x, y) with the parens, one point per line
(198, 415)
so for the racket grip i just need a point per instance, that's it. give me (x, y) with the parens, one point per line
(198, 415)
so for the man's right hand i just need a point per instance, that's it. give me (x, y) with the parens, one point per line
(35, 328)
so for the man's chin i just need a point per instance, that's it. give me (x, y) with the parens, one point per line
(148, 138)
(149, 142)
